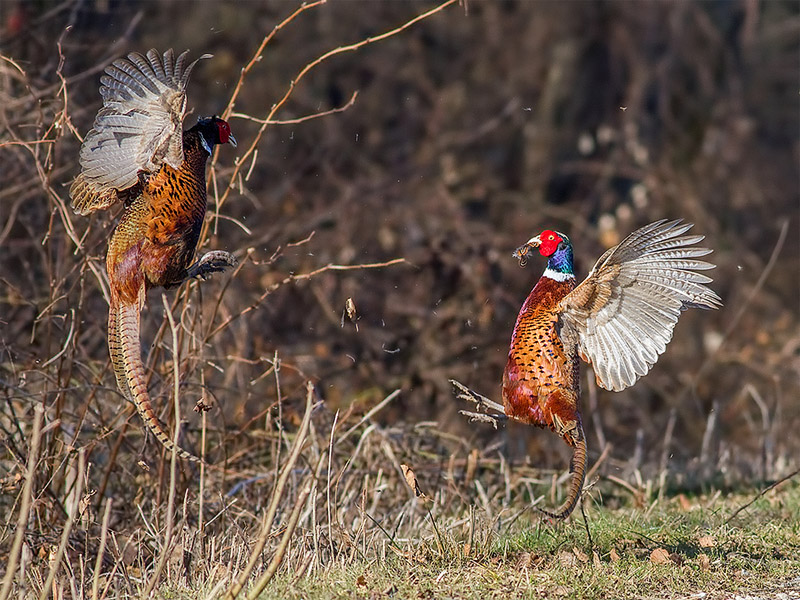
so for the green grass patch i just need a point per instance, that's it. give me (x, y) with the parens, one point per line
(677, 548)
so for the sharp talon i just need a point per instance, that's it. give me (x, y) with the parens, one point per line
(211, 262)
(482, 403)
(483, 417)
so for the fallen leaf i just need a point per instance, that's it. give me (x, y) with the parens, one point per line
(567, 559)
(562, 590)
(528, 560)
(411, 480)
(613, 556)
(362, 581)
(707, 541)
(350, 307)
(659, 556)
(596, 560)
(580, 555)
(472, 465)
(705, 562)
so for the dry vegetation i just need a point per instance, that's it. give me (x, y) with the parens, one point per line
(431, 154)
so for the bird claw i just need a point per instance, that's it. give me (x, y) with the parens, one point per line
(483, 417)
(481, 403)
(214, 261)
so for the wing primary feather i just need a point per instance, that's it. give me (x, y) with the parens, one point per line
(624, 313)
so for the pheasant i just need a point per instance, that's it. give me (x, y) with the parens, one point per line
(137, 154)
(619, 319)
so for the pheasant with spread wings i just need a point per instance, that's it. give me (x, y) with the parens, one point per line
(138, 154)
(620, 319)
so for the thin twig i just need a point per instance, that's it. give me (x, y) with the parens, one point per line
(270, 289)
(25, 504)
(98, 563)
(291, 525)
(298, 119)
(761, 493)
(303, 72)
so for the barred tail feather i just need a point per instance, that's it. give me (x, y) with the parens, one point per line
(578, 470)
(115, 350)
(124, 348)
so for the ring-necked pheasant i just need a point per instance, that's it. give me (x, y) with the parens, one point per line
(138, 154)
(620, 319)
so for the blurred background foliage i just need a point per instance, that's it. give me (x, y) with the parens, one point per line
(471, 131)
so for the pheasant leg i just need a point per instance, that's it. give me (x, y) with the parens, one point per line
(215, 261)
(481, 403)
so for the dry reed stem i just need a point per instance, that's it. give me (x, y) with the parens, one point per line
(291, 525)
(269, 516)
(367, 416)
(98, 563)
(73, 510)
(173, 473)
(25, 504)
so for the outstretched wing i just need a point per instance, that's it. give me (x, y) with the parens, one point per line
(137, 129)
(624, 312)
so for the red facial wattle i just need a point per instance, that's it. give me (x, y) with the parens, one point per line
(548, 243)
(224, 132)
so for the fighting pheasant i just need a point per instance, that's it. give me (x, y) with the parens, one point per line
(619, 319)
(137, 153)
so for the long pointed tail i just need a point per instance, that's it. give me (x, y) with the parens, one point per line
(115, 350)
(126, 356)
(577, 468)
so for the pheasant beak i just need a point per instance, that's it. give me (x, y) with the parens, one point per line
(521, 253)
(232, 140)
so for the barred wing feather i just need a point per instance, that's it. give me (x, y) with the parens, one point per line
(624, 312)
(137, 129)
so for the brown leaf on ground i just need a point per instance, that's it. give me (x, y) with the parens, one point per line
(613, 556)
(704, 561)
(361, 581)
(684, 502)
(562, 590)
(580, 555)
(528, 560)
(659, 556)
(596, 559)
(707, 541)
(567, 559)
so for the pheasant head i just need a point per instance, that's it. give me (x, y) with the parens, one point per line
(556, 247)
(214, 130)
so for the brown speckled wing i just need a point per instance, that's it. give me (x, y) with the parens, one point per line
(624, 312)
(137, 129)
